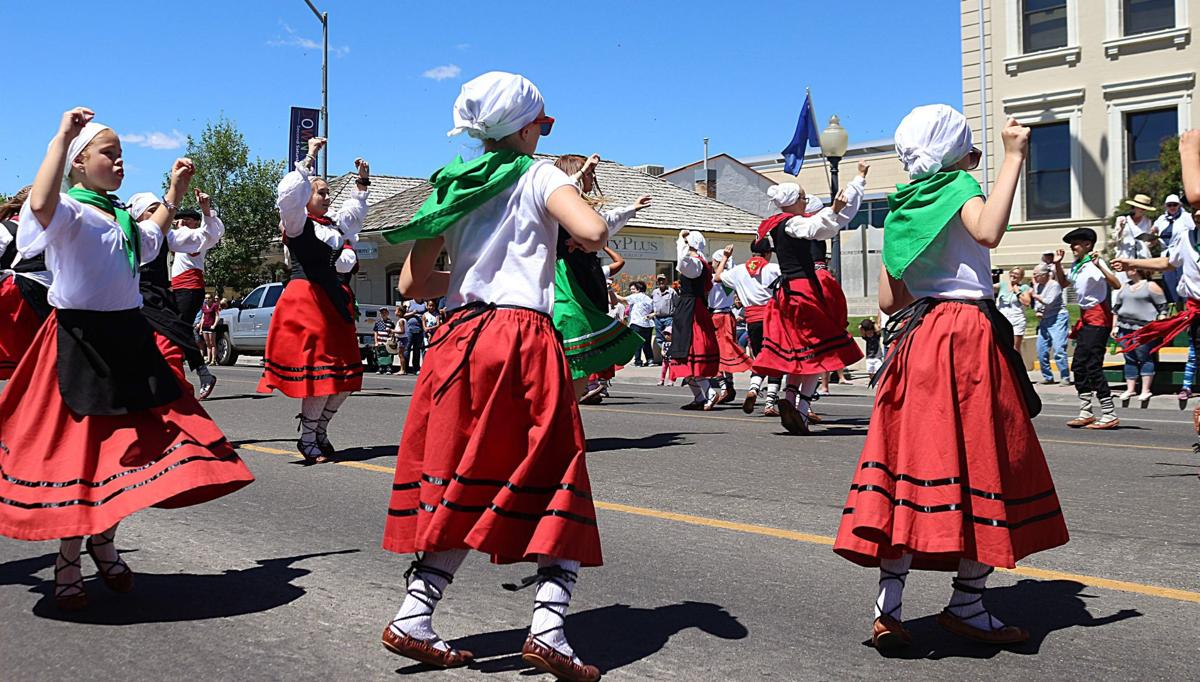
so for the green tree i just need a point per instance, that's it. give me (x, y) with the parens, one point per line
(243, 192)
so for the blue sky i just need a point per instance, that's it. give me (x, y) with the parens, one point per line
(638, 82)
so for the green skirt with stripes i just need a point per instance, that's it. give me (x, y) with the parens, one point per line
(593, 341)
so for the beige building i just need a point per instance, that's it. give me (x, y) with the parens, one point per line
(1102, 83)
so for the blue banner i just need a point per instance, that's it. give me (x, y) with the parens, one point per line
(806, 134)
(302, 128)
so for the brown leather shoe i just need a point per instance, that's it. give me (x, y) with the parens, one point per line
(814, 418)
(1196, 419)
(550, 661)
(752, 397)
(1080, 422)
(1103, 425)
(772, 411)
(791, 418)
(1009, 634)
(888, 635)
(727, 396)
(423, 651)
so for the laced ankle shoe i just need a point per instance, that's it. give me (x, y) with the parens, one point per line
(956, 619)
(430, 651)
(322, 434)
(68, 596)
(791, 419)
(748, 403)
(887, 632)
(309, 449)
(117, 575)
(540, 649)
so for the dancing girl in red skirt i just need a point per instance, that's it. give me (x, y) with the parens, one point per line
(312, 347)
(93, 424)
(23, 284)
(694, 355)
(492, 454)
(720, 305)
(952, 476)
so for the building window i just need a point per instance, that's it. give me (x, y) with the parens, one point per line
(1145, 132)
(1048, 174)
(667, 268)
(1043, 25)
(872, 212)
(1146, 16)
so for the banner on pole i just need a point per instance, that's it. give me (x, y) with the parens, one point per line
(302, 128)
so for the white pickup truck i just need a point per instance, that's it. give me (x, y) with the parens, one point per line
(242, 328)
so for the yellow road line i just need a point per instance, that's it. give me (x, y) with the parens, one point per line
(809, 538)
(1113, 445)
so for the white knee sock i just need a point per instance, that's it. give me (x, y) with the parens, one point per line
(755, 382)
(310, 411)
(331, 407)
(431, 573)
(892, 575)
(967, 601)
(772, 391)
(712, 386)
(808, 386)
(697, 392)
(1085, 405)
(556, 581)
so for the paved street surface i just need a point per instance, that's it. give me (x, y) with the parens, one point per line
(716, 532)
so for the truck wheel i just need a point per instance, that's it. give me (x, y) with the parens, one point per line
(226, 353)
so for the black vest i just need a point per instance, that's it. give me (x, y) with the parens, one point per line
(313, 260)
(795, 254)
(160, 310)
(35, 264)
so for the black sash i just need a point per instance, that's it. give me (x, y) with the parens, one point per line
(108, 363)
(901, 325)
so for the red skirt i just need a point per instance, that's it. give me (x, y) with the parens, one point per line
(311, 349)
(952, 467)
(173, 354)
(733, 358)
(18, 325)
(804, 334)
(492, 453)
(64, 475)
(703, 359)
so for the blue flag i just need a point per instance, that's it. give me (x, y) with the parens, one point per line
(806, 134)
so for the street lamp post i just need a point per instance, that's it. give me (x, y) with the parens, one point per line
(323, 17)
(834, 140)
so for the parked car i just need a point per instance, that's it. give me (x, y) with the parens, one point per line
(243, 326)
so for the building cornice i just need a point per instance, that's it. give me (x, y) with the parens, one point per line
(1174, 82)
(1035, 60)
(1172, 37)
(1044, 100)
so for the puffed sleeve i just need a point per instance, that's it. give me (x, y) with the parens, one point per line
(825, 223)
(213, 228)
(152, 239)
(292, 200)
(347, 259)
(689, 266)
(617, 218)
(352, 213)
(33, 237)
(186, 239)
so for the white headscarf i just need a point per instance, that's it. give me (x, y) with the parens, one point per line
(931, 138)
(785, 194)
(697, 241)
(89, 133)
(813, 205)
(141, 201)
(495, 105)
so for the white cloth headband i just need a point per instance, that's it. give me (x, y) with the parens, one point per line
(785, 194)
(697, 241)
(931, 138)
(813, 205)
(141, 201)
(496, 105)
(89, 133)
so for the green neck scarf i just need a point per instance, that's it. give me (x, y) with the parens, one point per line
(1078, 265)
(459, 188)
(133, 241)
(918, 214)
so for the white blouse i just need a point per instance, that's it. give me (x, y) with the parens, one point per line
(689, 265)
(824, 224)
(752, 290)
(1183, 256)
(292, 201)
(954, 266)
(85, 254)
(504, 251)
(191, 244)
(1091, 287)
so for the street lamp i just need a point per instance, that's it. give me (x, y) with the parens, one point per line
(323, 17)
(834, 140)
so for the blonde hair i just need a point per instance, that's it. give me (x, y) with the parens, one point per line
(572, 164)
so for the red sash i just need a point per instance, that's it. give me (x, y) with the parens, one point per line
(1159, 333)
(755, 313)
(189, 279)
(1097, 316)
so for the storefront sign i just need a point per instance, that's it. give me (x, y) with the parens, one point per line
(366, 250)
(637, 247)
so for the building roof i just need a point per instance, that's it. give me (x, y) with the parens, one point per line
(673, 208)
(711, 158)
(887, 145)
(382, 187)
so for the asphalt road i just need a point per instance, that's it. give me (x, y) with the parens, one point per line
(716, 531)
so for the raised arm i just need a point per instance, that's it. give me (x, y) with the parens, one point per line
(213, 228)
(43, 196)
(828, 221)
(353, 210)
(987, 220)
(181, 176)
(579, 219)
(418, 278)
(1189, 157)
(618, 218)
(618, 262)
(720, 269)
(294, 191)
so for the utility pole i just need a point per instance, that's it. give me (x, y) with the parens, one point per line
(323, 17)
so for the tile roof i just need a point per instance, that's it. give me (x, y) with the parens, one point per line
(673, 208)
(382, 187)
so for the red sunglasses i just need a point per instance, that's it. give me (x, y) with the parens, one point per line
(547, 123)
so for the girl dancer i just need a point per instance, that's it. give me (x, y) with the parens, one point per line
(695, 356)
(1093, 280)
(312, 348)
(952, 475)
(23, 282)
(187, 279)
(804, 333)
(93, 425)
(492, 454)
(594, 342)
(175, 334)
(755, 282)
(720, 304)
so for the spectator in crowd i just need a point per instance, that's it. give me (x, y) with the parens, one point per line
(641, 320)
(1139, 303)
(431, 320)
(1012, 298)
(665, 299)
(874, 347)
(1173, 221)
(414, 332)
(1131, 231)
(384, 342)
(1053, 324)
(400, 341)
(208, 326)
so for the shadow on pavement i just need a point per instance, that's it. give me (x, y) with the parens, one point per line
(1040, 606)
(169, 597)
(654, 440)
(364, 454)
(259, 441)
(609, 637)
(239, 396)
